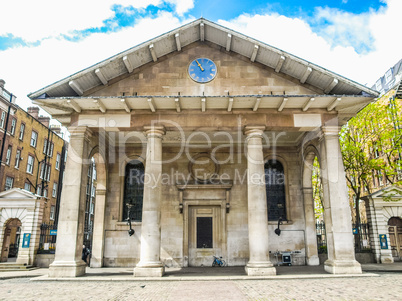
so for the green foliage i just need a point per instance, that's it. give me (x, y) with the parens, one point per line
(317, 191)
(371, 147)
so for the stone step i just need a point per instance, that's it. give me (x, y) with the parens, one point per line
(6, 267)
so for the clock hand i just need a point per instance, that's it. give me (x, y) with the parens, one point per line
(199, 65)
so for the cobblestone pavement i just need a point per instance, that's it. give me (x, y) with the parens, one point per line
(385, 287)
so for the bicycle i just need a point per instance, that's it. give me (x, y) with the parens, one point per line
(218, 262)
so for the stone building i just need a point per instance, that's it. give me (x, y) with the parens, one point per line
(32, 159)
(203, 140)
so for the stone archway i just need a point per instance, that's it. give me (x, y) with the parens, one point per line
(11, 239)
(310, 153)
(99, 211)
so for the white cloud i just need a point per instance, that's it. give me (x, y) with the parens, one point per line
(35, 20)
(27, 70)
(295, 36)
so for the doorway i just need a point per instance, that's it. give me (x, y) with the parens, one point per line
(395, 237)
(11, 241)
(205, 235)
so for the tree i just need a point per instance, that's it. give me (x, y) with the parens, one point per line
(371, 147)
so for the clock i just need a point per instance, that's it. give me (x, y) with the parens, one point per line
(202, 70)
(203, 167)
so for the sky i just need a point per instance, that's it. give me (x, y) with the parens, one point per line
(44, 41)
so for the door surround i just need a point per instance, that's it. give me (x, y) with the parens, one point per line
(199, 194)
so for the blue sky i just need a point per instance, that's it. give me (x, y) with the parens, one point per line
(51, 39)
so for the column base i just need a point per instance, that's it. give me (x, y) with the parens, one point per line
(313, 260)
(342, 267)
(65, 269)
(149, 271)
(260, 269)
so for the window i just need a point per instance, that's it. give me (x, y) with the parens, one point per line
(399, 169)
(39, 190)
(3, 119)
(52, 212)
(378, 85)
(44, 146)
(13, 125)
(9, 183)
(45, 171)
(388, 76)
(45, 193)
(376, 152)
(133, 190)
(8, 155)
(30, 164)
(22, 130)
(58, 157)
(34, 138)
(275, 187)
(54, 190)
(17, 158)
(380, 177)
(27, 186)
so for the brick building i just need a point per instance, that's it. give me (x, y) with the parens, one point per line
(32, 159)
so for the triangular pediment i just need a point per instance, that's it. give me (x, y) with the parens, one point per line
(118, 82)
(390, 193)
(17, 193)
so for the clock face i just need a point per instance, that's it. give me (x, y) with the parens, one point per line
(202, 70)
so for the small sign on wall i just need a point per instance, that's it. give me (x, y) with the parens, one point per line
(26, 240)
(53, 232)
(383, 241)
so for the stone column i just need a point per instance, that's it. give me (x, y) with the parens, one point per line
(310, 233)
(70, 230)
(98, 238)
(337, 213)
(150, 264)
(259, 263)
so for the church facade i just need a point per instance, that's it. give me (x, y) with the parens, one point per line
(204, 141)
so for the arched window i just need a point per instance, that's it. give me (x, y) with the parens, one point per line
(133, 190)
(275, 187)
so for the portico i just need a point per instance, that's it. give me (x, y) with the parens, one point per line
(202, 168)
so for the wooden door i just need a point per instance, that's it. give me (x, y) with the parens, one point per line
(395, 237)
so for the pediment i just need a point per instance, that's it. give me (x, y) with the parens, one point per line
(17, 193)
(391, 193)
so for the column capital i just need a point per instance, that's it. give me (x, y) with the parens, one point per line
(331, 130)
(254, 130)
(80, 132)
(156, 131)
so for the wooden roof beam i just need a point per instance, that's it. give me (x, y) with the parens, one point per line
(230, 104)
(76, 87)
(127, 63)
(308, 104)
(228, 41)
(306, 74)
(283, 103)
(151, 105)
(100, 105)
(202, 32)
(280, 64)
(153, 53)
(331, 86)
(203, 104)
(256, 104)
(334, 104)
(101, 76)
(177, 104)
(254, 54)
(74, 105)
(125, 105)
(178, 44)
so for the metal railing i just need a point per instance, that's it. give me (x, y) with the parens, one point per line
(47, 239)
(360, 234)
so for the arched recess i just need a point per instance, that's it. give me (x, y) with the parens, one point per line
(122, 173)
(100, 206)
(395, 237)
(11, 239)
(308, 156)
(283, 163)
